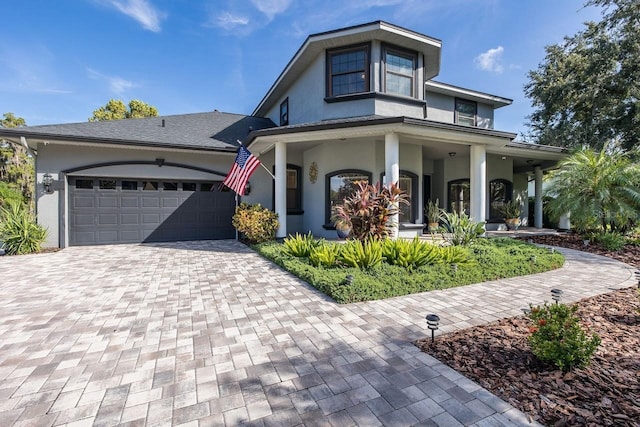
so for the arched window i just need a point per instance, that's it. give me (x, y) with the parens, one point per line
(459, 196)
(339, 185)
(500, 192)
(408, 183)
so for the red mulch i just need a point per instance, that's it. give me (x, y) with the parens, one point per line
(606, 393)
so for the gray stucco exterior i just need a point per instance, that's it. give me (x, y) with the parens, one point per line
(374, 131)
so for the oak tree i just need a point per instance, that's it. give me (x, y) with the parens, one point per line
(16, 166)
(586, 91)
(116, 109)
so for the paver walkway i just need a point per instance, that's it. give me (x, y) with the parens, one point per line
(209, 333)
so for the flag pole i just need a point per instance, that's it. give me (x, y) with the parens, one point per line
(234, 213)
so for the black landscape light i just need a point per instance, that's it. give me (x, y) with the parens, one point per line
(556, 295)
(433, 323)
(348, 280)
(526, 310)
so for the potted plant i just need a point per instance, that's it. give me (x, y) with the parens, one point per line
(511, 211)
(432, 211)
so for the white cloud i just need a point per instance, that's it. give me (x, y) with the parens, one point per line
(490, 60)
(228, 21)
(142, 11)
(117, 84)
(271, 7)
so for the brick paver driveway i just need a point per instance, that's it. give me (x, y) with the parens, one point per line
(208, 333)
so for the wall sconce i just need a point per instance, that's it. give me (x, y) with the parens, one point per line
(47, 183)
(452, 154)
(247, 188)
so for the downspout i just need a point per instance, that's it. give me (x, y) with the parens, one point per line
(23, 141)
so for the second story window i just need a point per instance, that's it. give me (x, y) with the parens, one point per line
(348, 70)
(284, 112)
(399, 72)
(466, 112)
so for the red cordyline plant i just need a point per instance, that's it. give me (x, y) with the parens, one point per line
(368, 211)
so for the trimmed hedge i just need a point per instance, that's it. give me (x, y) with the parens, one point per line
(494, 259)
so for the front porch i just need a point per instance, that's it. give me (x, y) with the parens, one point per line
(467, 169)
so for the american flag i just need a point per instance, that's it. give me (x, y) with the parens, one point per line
(245, 164)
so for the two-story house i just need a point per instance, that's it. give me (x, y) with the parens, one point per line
(354, 103)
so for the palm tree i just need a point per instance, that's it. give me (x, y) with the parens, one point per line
(598, 189)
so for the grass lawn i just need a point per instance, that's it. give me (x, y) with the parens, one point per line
(489, 259)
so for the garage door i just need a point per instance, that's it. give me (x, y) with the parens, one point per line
(108, 210)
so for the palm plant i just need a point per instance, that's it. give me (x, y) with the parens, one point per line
(599, 189)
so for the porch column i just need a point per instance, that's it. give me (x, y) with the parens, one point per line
(537, 207)
(478, 181)
(392, 168)
(281, 189)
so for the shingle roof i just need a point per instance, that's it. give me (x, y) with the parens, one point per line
(373, 120)
(206, 131)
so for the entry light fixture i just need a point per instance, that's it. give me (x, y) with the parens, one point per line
(47, 183)
(433, 323)
(452, 154)
(247, 188)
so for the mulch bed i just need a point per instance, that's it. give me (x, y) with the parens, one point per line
(606, 393)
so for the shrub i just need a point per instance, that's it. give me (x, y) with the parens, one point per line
(324, 254)
(368, 211)
(257, 224)
(462, 230)
(412, 254)
(300, 245)
(558, 337)
(409, 254)
(356, 253)
(610, 241)
(455, 255)
(19, 230)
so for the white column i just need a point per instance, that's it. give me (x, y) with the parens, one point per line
(478, 178)
(281, 188)
(537, 207)
(392, 169)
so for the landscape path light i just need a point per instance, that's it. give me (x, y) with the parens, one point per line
(433, 323)
(556, 295)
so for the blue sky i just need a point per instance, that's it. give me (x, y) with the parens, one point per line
(60, 60)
